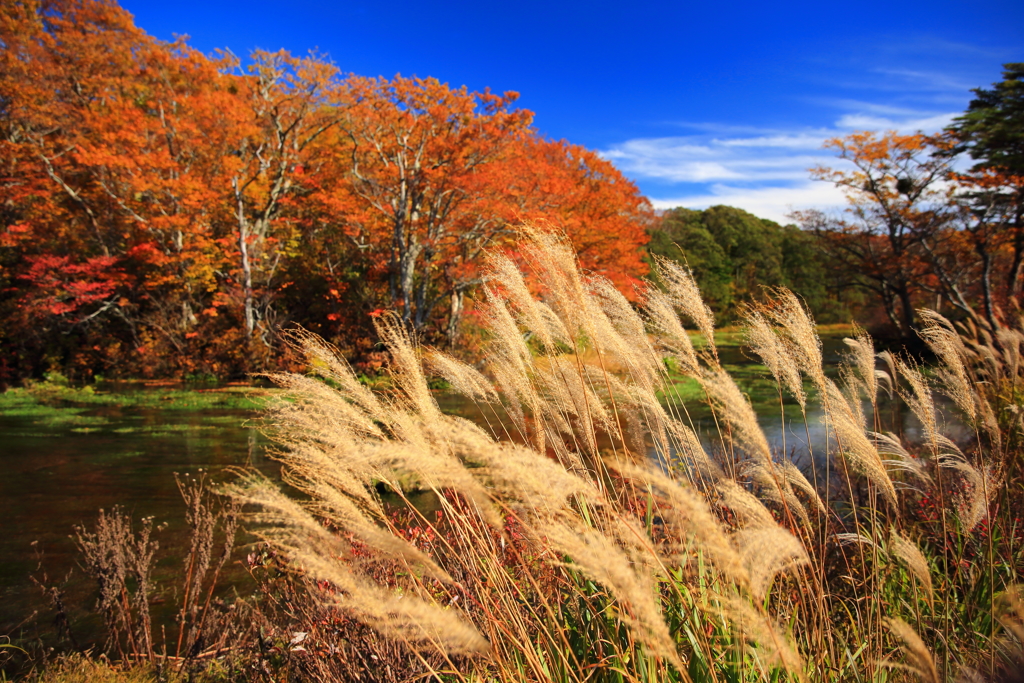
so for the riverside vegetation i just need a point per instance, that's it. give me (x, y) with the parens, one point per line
(583, 532)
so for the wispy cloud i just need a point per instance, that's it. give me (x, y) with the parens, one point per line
(764, 171)
(923, 80)
(903, 84)
(775, 203)
(698, 159)
(928, 124)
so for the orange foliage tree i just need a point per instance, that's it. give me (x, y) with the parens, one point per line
(96, 128)
(558, 183)
(896, 229)
(438, 175)
(423, 166)
(166, 212)
(918, 229)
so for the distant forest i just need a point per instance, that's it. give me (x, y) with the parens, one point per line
(735, 255)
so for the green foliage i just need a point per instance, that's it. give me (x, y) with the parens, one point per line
(992, 129)
(55, 404)
(734, 255)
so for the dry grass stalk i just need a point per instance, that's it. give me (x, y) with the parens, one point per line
(322, 554)
(569, 403)
(683, 290)
(663, 320)
(747, 507)
(767, 552)
(117, 556)
(764, 341)
(890, 372)
(622, 334)
(405, 367)
(919, 400)
(851, 387)
(589, 377)
(1010, 613)
(889, 444)
(855, 446)
(552, 257)
(605, 562)
(945, 343)
(772, 485)
(689, 513)
(463, 378)
(790, 316)
(530, 312)
(908, 552)
(796, 478)
(972, 501)
(734, 407)
(1009, 341)
(755, 626)
(862, 352)
(919, 658)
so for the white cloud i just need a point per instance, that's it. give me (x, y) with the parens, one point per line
(775, 203)
(844, 104)
(695, 159)
(928, 124)
(927, 80)
(764, 171)
(797, 141)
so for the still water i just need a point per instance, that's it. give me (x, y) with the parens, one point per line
(57, 476)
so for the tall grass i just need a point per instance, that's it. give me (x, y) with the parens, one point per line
(584, 531)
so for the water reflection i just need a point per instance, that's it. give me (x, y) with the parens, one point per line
(56, 477)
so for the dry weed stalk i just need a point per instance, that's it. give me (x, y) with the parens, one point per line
(908, 552)
(919, 657)
(573, 368)
(117, 556)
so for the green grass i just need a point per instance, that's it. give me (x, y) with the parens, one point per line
(753, 378)
(48, 401)
(46, 415)
(162, 430)
(83, 669)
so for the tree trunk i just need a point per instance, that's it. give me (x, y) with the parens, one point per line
(889, 305)
(1013, 285)
(455, 316)
(243, 248)
(407, 277)
(986, 287)
(908, 310)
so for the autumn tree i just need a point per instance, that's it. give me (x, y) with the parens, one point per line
(554, 182)
(990, 195)
(168, 167)
(78, 79)
(168, 212)
(917, 225)
(422, 158)
(291, 102)
(434, 176)
(895, 231)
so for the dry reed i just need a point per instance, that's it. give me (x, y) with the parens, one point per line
(610, 519)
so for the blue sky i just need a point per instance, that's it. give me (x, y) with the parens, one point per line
(699, 103)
